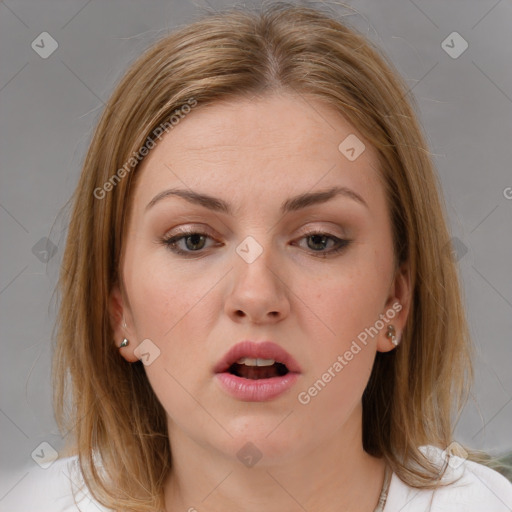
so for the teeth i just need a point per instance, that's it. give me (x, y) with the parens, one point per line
(249, 361)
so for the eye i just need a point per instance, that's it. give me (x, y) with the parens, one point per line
(195, 243)
(188, 242)
(324, 244)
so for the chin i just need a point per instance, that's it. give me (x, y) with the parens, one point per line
(262, 439)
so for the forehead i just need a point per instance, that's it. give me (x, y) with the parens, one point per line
(266, 145)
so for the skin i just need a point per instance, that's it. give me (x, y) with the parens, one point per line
(255, 154)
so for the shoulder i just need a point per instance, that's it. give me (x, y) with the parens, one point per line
(469, 487)
(59, 488)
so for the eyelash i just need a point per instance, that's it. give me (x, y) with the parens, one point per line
(172, 241)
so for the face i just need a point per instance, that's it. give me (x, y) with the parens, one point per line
(273, 235)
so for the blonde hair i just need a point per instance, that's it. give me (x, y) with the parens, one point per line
(412, 392)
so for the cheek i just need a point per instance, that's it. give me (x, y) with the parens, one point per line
(176, 308)
(165, 296)
(342, 334)
(341, 359)
(348, 301)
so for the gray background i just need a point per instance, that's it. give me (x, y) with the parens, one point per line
(50, 106)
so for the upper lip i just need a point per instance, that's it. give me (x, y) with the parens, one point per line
(261, 350)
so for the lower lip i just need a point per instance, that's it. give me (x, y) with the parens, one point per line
(258, 390)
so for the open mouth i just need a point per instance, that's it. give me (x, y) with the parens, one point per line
(255, 369)
(257, 372)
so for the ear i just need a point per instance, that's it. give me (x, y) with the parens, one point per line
(396, 309)
(122, 325)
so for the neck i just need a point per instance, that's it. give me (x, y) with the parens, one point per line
(335, 475)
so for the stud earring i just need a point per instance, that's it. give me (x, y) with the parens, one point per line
(391, 335)
(124, 343)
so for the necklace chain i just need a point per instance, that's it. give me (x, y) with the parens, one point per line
(384, 491)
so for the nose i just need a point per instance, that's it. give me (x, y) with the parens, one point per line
(259, 292)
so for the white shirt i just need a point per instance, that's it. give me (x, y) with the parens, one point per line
(479, 489)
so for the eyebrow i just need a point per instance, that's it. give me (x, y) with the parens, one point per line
(290, 205)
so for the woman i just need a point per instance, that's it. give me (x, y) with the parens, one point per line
(260, 310)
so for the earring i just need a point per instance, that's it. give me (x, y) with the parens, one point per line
(391, 335)
(124, 343)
